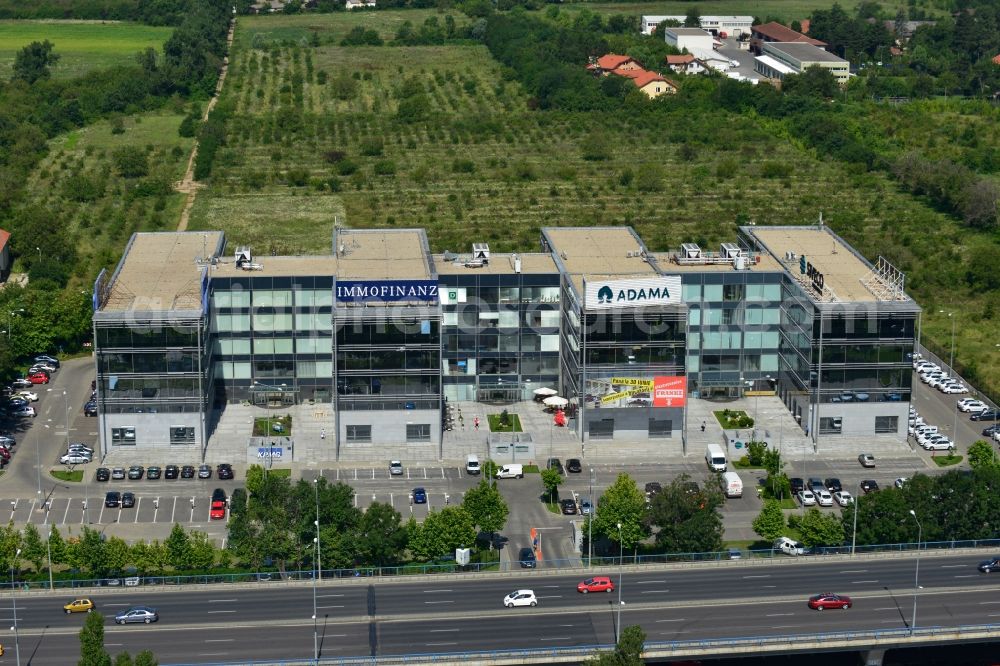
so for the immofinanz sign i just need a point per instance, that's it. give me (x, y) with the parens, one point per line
(664, 290)
(386, 291)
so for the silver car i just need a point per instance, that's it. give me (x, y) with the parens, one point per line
(136, 614)
(395, 468)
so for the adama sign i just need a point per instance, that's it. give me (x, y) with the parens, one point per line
(386, 291)
(664, 290)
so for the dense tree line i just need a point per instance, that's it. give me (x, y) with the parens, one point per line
(151, 12)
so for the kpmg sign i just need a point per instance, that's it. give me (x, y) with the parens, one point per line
(386, 291)
(664, 290)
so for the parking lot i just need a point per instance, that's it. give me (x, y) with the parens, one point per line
(75, 511)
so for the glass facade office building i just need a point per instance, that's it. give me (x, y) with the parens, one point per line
(385, 333)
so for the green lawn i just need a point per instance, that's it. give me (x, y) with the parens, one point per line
(946, 461)
(81, 45)
(331, 28)
(730, 419)
(264, 427)
(514, 424)
(66, 475)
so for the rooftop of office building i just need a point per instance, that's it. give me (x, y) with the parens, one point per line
(802, 52)
(597, 252)
(383, 254)
(846, 276)
(498, 264)
(161, 272)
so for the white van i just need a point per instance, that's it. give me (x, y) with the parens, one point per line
(715, 457)
(732, 484)
(472, 464)
(510, 472)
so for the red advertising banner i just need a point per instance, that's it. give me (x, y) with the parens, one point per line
(669, 391)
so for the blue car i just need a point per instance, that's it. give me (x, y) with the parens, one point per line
(419, 496)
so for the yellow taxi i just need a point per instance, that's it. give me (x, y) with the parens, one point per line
(79, 606)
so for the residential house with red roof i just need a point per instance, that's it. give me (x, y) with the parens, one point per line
(612, 62)
(685, 64)
(653, 84)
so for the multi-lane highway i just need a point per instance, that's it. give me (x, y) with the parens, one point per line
(358, 617)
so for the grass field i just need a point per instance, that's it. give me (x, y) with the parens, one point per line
(788, 10)
(331, 28)
(78, 184)
(486, 168)
(81, 45)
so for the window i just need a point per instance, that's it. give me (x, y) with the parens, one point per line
(181, 435)
(659, 428)
(887, 424)
(278, 298)
(359, 433)
(603, 429)
(418, 432)
(831, 425)
(124, 436)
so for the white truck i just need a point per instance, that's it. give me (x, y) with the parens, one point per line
(715, 458)
(510, 472)
(732, 484)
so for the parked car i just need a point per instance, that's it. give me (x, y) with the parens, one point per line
(224, 471)
(135, 472)
(128, 500)
(789, 546)
(187, 472)
(22, 382)
(556, 464)
(574, 466)
(821, 601)
(45, 358)
(971, 405)
(869, 486)
(171, 472)
(113, 499)
(585, 506)
(74, 459)
(807, 498)
(520, 598)
(816, 485)
(796, 484)
(80, 446)
(901, 481)
(843, 498)
(30, 396)
(833, 485)
(823, 497)
(986, 415)
(42, 365)
(866, 460)
(153, 473)
(25, 411)
(526, 556)
(217, 510)
(38, 378)
(90, 409)
(395, 468)
(568, 507)
(204, 472)
(137, 614)
(103, 474)
(596, 584)
(419, 496)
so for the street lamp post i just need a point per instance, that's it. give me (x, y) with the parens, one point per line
(315, 613)
(13, 601)
(618, 623)
(854, 530)
(48, 553)
(951, 369)
(590, 521)
(916, 575)
(319, 568)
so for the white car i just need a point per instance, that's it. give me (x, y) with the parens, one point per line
(74, 459)
(971, 405)
(930, 438)
(520, 598)
(807, 498)
(27, 410)
(789, 546)
(901, 481)
(932, 376)
(27, 395)
(824, 497)
(943, 444)
(395, 468)
(953, 388)
(936, 382)
(843, 498)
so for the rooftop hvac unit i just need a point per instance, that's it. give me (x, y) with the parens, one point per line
(243, 256)
(691, 250)
(517, 263)
(740, 263)
(731, 250)
(481, 252)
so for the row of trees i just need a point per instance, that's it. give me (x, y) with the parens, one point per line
(152, 12)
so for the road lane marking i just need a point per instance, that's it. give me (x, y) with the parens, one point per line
(768, 586)
(556, 638)
(967, 576)
(858, 582)
(438, 590)
(222, 611)
(896, 621)
(887, 608)
(221, 601)
(552, 596)
(561, 625)
(432, 644)
(114, 644)
(115, 605)
(785, 626)
(329, 606)
(219, 640)
(671, 620)
(442, 631)
(854, 571)
(673, 633)
(757, 576)
(653, 591)
(212, 654)
(650, 581)
(439, 602)
(324, 596)
(550, 586)
(778, 614)
(993, 615)
(984, 603)
(954, 566)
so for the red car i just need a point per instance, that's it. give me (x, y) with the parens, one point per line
(218, 511)
(38, 378)
(821, 601)
(596, 584)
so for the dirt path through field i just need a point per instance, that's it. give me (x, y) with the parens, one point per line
(189, 185)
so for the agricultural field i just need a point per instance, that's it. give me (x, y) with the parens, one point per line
(325, 131)
(82, 186)
(330, 28)
(81, 45)
(787, 10)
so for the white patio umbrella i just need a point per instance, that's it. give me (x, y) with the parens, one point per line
(556, 401)
(545, 391)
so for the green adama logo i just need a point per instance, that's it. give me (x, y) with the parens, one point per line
(605, 295)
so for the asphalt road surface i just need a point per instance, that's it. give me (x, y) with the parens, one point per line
(357, 617)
